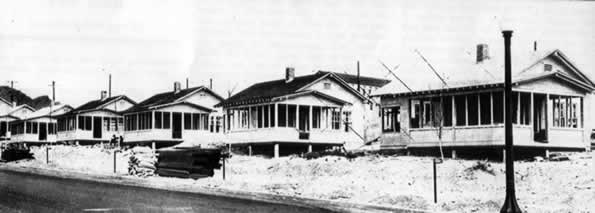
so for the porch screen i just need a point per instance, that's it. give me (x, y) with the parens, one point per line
(282, 115)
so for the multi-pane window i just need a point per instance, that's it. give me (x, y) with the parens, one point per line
(348, 121)
(567, 111)
(415, 114)
(336, 119)
(390, 119)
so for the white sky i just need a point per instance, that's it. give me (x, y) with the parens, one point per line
(149, 44)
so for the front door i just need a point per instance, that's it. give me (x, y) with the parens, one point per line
(97, 127)
(176, 130)
(304, 119)
(539, 118)
(43, 131)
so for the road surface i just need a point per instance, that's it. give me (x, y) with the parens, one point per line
(28, 192)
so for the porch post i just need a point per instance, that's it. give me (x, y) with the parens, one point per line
(531, 116)
(249, 116)
(478, 110)
(276, 114)
(466, 111)
(518, 108)
(249, 150)
(309, 147)
(297, 116)
(276, 151)
(453, 112)
(309, 117)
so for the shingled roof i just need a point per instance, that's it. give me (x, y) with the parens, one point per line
(171, 97)
(363, 80)
(95, 104)
(265, 91)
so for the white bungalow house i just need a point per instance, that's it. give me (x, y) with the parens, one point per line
(297, 114)
(95, 121)
(552, 99)
(10, 114)
(169, 118)
(38, 126)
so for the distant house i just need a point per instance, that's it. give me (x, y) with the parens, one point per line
(298, 114)
(38, 126)
(176, 116)
(15, 104)
(11, 114)
(95, 121)
(551, 98)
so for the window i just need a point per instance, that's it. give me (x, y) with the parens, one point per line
(472, 110)
(166, 120)
(158, 120)
(336, 119)
(195, 121)
(460, 110)
(566, 111)
(347, 120)
(415, 114)
(88, 122)
(390, 119)
(106, 123)
(34, 127)
(51, 128)
(265, 110)
(447, 108)
(259, 119)
(272, 115)
(485, 109)
(187, 121)
(547, 67)
(81, 122)
(498, 106)
(515, 106)
(120, 123)
(327, 85)
(282, 115)
(291, 113)
(28, 127)
(205, 117)
(316, 111)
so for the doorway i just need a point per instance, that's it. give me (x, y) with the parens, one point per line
(43, 132)
(539, 118)
(176, 130)
(304, 119)
(97, 127)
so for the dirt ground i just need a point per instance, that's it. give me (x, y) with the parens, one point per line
(401, 181)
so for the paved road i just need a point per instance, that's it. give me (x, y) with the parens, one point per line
(26, 192)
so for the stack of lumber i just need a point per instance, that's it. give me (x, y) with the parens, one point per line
(188, 162)
(15, 151)
(142, 162)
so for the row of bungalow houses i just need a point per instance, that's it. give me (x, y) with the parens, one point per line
(552, 111)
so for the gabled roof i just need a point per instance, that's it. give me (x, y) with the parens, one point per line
(473, 75)
(313, 93)
(363, 80)
(23, 106)
(45, 112)
(98, 104)
(265, 91)
(169, 98)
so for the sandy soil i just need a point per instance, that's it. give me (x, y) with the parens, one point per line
(567, 186)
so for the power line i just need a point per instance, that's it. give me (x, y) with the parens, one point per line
(391, 72)
(431, 67)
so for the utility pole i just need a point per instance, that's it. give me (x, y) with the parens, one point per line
(53, 91)
(358, 77)
(110, 86)
(510, 203)
(187, 83)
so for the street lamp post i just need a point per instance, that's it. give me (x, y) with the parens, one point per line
(510, 204)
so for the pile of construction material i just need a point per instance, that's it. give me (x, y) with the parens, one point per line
(142, 162)
(188, 162)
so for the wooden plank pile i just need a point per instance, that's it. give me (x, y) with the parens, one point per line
(188, 162)
(142, 162)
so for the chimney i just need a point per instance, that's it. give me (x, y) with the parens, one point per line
(534, 46)
(482, 53)
(358, 78)
(211, 83)
(177, 87)
(289, 74)
(103, 94)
